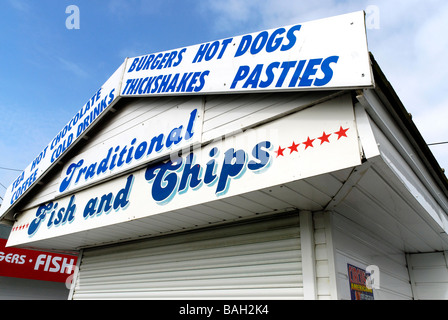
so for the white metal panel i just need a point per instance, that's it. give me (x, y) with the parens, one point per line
(229, 114)
(355, 245)
(325, 265)
(253, 260)
(406, 162)
(429, 275)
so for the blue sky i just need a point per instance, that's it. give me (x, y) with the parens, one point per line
(48, 72)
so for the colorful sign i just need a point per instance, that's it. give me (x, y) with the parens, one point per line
(314, 141)
(35, 265)
(357, 278)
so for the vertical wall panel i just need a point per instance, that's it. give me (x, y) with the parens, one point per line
(354, 245)
(429, 275)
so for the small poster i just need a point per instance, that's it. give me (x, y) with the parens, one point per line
(358, 286)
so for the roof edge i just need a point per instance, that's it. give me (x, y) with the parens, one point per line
(396, 108)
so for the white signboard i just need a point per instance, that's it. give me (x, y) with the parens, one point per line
(314, 141)
(324, 54)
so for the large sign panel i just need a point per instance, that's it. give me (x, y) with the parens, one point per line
(323, 54)
(314, 141)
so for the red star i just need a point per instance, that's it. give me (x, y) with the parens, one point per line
(294, 147)
(324, 138)
(280, 151)
(342, 133)
(309, 143)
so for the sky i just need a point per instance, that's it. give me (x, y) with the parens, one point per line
(48, 71)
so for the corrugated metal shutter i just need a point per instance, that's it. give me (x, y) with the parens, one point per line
(252, 260)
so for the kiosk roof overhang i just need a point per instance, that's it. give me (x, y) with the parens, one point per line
(325, 54)
(120, 88)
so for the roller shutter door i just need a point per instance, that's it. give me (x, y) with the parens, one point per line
(253, 260)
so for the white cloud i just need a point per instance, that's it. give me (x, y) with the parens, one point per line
(19, 5)
(124, 9)
(73, 68)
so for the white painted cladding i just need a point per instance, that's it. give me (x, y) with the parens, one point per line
(355, 245)
(429, 275)
(253, 260)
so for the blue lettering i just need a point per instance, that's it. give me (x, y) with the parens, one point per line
(193, 81)
(328, 72)
(122, 199)
(254, 77)
(178, 176)
(164, 184)
(274, 42)
(259, 42)
(291, 37)
(163, 60)
(174, 137)
(201, 52)
(296, 76)
(179, 59)
(286, 66)
(190, 175)
(141, 63)
(183, 82)
(201, 81)
(170, 59)
(262, 157)
(269, 74)
(70, 172)
(244, 45)
(148, 62)
(210, 171)
(234, 162)
(133, 65)
(108, 201)
(156, 61)
(40, 217)
(242, 73)
(164, 83)
(90, 209)
(225, 43)
(309, 71)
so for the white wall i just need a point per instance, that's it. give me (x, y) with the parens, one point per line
(429, 275)
(354, 245)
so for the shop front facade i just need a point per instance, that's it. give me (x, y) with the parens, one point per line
(299, 177)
